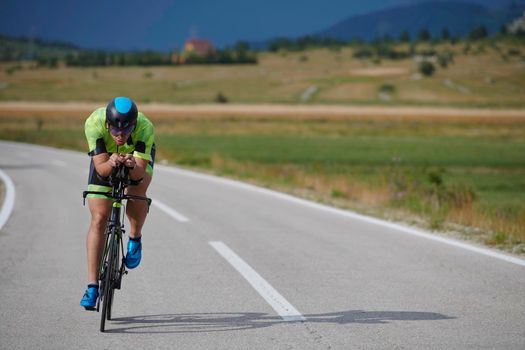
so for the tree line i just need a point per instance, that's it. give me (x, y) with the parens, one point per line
(151, 58)
(51, 54)
(423, 35)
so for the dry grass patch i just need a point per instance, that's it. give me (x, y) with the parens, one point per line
(381, 71)
(281, 77)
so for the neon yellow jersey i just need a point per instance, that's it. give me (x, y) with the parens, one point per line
(100, 141)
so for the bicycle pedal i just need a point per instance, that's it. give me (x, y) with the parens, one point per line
(90, 308)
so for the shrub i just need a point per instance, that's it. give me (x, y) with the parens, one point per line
(443, 62)
(497, 238)
(445, 58)
(338, 194)
(220, 98)
(387, 88)
(363, 53)
(426, 68)
(376, 60)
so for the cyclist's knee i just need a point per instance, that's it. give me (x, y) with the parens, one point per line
(99, 219)
(100, 210)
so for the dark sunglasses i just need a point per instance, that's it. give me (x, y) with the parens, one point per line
(124, 131)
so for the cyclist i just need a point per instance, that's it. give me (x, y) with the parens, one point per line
(117, 134)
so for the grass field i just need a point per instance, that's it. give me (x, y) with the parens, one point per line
(486, 76)
(445, 174)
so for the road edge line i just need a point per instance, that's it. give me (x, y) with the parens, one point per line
(9, 198)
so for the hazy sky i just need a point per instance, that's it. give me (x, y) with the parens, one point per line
(165, 24)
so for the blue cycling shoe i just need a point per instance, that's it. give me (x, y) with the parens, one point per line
(89, 300)
(134, 253)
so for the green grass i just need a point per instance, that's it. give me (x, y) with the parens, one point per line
(371, 156)
(354, 150)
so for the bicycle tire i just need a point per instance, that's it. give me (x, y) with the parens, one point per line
(114, 275)
(102, 270)
(108, 278)
(110, 303)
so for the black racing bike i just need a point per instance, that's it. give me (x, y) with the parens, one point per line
(112, 266)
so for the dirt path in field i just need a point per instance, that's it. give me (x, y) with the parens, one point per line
(49, 109)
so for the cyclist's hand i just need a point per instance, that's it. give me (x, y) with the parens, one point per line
(115, 160)
(129, 161)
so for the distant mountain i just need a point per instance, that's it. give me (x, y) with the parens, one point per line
(458, 17)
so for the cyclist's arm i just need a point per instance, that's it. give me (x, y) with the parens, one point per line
(104, 163)
(142, 154)
(137, 172)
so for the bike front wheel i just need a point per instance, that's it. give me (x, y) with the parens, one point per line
(116, 276)
(108, 277)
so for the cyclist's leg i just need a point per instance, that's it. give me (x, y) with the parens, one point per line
(100, 209)
(137, 210)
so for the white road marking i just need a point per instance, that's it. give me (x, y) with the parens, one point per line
(272, 296)
(168, 210)
(59, 162)
(9, 198)
(396, 227)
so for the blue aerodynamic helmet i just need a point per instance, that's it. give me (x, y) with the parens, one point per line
(121, 112)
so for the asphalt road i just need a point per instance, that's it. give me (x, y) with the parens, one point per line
(248, 269)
